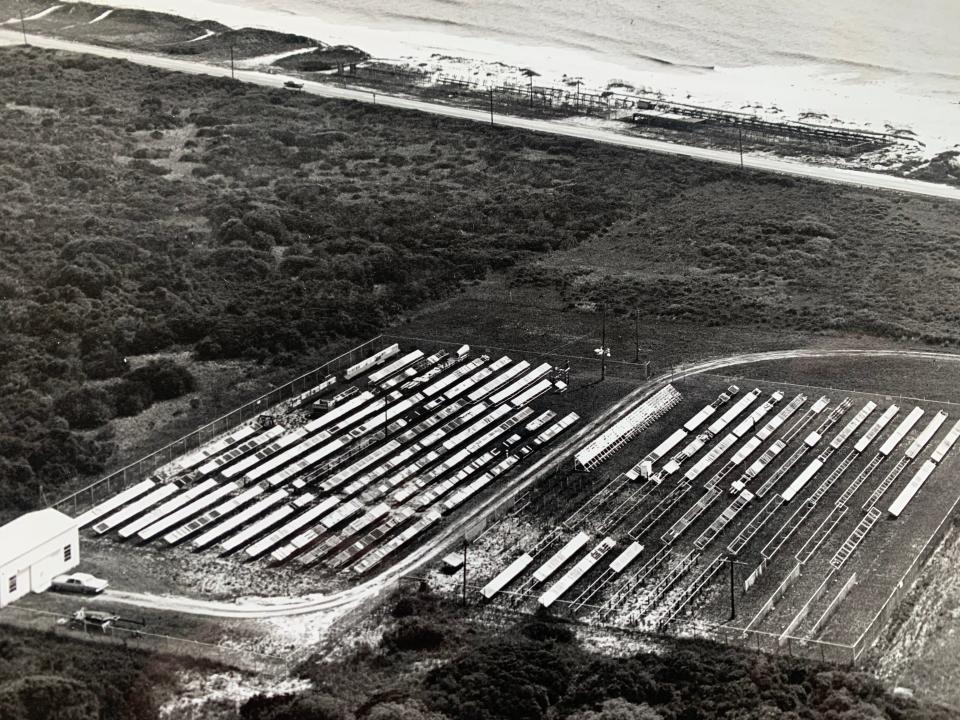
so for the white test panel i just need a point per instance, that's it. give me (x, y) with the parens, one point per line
(905, 426)
(707, 460)
(482, 374)
(268, 453)
(531, 393)
(775, 449)
(851, 427)
(666, 446)
(820, 404)
(161, 511)
(500, 429)
(217, 446)
(453, 377)
(395, 543)
(498, 381)
(651, 407)
(186, 511)
(925, 435)
(471, 430)
(291, 527)
(802, 479)
(342, 476)
(135, 508)
(275, 461)
(746, 451)
(111, 504)
(210, 516)
(670, 468)
(693, 447)
(248, 533)
(757, 415)
(503, 578)
(572, 575)
(334, 446)
(879, 424)
(339, 514)
(520, 383)
(395, 367)
(248, 447)
(626, 557)
(781, 417)
(234, 521)
(561, 556)
(738, 407)
(946, 443)
(698, 419)
(367, 363)
(916, 482)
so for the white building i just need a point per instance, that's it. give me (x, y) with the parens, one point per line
(34, 549)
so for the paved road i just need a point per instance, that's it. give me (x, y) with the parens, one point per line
(281, 607)
(557, 127)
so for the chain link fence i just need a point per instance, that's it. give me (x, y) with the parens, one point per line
(134, 638)
(881, 621)
(106, 487)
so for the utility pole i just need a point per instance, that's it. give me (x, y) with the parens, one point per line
(530, 78)
(578, 95)
(491, 107)
(733, 604)
(232, 74)
(740, 136)
(603, 351)
(23, 26)
(464, 571)
(733, 601)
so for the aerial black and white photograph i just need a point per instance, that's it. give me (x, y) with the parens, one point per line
(479, 360)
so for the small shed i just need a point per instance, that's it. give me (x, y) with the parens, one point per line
(34, 549)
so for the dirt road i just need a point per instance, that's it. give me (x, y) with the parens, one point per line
(259, 608)
(557, 127)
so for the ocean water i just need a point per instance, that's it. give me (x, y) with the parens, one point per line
(882, 64)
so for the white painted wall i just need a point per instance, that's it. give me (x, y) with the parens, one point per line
(36, 567)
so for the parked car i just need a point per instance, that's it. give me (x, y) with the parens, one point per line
(84, 619)
(79, 583)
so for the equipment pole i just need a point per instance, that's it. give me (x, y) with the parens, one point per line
(464, 572)
(733, 604)
(740, 136)
(603, 343)
(232, 74)
(23, 26)
(491, 107)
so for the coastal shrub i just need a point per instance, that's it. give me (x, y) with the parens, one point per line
(84, 407)
(165, 379)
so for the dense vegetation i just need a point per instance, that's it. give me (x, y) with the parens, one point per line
(537, 669)
(152, 212)
(149, 211)
(45, 676)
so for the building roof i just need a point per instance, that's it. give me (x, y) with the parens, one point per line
(29, 531)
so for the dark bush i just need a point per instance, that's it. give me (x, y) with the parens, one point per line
(165, 378)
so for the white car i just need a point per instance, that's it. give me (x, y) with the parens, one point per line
(79, 583)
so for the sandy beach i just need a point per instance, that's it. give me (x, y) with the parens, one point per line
(805, 92)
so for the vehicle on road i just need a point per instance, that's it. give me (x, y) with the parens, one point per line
(293, 85)
(79, 583)
(84, 619)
